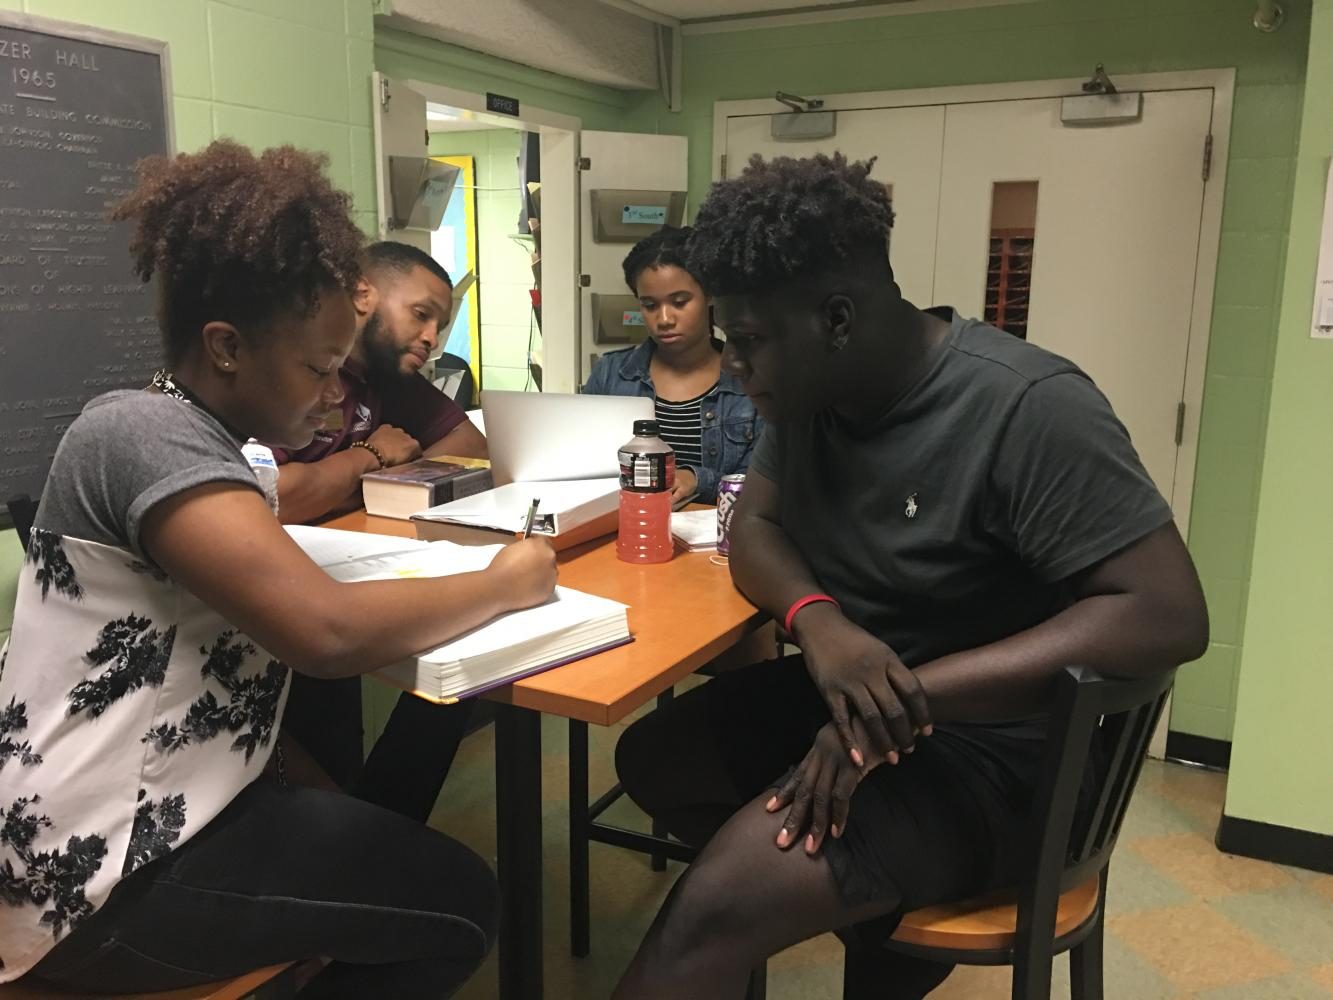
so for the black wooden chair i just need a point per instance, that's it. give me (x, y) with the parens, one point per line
(22, 511)
(1061, 906)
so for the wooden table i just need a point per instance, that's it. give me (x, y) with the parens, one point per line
(682, 614)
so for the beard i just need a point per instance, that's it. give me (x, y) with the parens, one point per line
(383, 356)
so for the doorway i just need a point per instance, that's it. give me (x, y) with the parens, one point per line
(411, 119)
(489, 240)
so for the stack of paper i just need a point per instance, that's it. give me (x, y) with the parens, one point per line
(570, 626)
(695, 530)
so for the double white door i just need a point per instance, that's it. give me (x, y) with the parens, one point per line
(1116, 235)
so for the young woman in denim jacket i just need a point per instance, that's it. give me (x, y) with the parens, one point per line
(704, 413)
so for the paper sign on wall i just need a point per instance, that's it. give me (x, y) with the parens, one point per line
(647, 215)
(632, 317)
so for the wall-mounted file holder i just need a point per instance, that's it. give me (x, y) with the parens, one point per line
(419, 191)
(627, 216)
(617, 319)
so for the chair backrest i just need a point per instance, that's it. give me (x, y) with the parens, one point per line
(22, 511)
(1070, 845)
(465, 395)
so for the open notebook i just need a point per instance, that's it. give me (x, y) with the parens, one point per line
(570, 626)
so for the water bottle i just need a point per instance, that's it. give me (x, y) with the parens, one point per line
(647, 474)
(265, 468)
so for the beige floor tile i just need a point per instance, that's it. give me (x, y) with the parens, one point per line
(975, 983)
(1179, 781)
(1292, 987)
(1197, 805)
(1205, 813)
(1136, 884)
(1193, 862)
(1323, 885)
(1294, 920)
(1196, 948)
(1126, 974)
(811, 969)
(1302, 874)
(1323, 975)
(1173, 798)
(1153, 815)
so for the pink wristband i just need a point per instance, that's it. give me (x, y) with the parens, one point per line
(807, 599)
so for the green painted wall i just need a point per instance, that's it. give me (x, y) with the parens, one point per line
(504, 272)
(1282, 757)
(1066, 38)
(261, 71)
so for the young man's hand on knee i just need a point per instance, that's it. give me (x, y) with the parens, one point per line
(819, 791)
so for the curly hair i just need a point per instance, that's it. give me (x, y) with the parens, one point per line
(238, 237)
(783, 218)
(666, 246)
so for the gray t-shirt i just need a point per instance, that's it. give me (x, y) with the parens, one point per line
(128, 451)
(953, 522)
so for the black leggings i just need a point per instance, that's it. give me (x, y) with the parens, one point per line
(284, 874)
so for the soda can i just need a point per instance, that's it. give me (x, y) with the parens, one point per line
(728, 489)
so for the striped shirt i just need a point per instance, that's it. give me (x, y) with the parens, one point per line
(682, 427)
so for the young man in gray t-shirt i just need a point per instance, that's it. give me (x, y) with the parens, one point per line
(944, 518)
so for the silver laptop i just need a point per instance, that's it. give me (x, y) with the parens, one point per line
(543, 436)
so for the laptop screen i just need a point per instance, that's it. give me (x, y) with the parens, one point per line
(545, 436)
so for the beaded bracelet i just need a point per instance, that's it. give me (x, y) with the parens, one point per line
(372, 449)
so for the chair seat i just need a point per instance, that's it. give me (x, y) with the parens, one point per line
(989, 923)
(232, 989)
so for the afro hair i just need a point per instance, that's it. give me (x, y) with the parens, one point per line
(783, 218)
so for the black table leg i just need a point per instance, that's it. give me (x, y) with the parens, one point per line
(757, 988)
(659, 861)
(518, 828)
(580, 904)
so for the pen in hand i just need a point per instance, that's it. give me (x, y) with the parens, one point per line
(532, 516)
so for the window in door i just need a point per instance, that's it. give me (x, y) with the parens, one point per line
(1012, 238)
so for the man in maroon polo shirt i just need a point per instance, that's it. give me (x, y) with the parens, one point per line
(390, 414)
